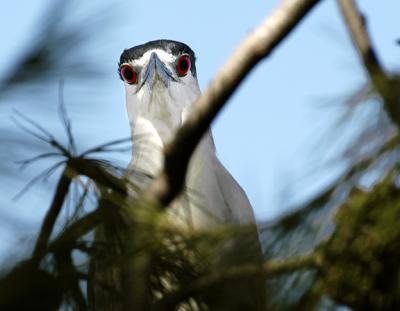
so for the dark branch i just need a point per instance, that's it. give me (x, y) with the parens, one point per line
(93, 170)
(387, 87)
(356, 25)
(76, 230)
(70, 278)
(267, 270)
(74, 166)
(51, 216)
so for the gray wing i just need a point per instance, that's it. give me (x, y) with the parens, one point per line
(214, 195)
(234, 196)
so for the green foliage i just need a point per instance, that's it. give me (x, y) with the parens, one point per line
(361, 258)
(143, 259)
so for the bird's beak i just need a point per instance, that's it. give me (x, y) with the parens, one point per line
(154, 70)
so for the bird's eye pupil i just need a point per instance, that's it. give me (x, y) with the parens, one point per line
(183, 65)
(128, 74)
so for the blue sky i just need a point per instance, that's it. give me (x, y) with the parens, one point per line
(277, 132)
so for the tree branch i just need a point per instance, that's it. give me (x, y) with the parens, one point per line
(99, 174)
(259, 44)
(69, 277)
(74, 166)
(76, 230)
(387, 87)
(51, 216)
(356, 25)
(269, 269)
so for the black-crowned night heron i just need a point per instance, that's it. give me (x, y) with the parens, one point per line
(161, 85)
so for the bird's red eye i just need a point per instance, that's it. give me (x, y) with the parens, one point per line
(128, 74)
(183, 65)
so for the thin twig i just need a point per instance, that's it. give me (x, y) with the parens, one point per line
(70, 278)
(43, 175)
(105, 147)
(76, 230)
(43, 134)
(42, 156)
(66, 122)
(51, 216)
(259, 44)
(80, 203)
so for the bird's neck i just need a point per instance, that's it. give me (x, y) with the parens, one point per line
(148, 140)
(149, 136)
(147, 145)
(154, 123)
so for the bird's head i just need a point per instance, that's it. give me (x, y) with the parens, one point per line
(160, 84)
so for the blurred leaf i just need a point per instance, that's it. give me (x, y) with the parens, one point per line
(50, 54)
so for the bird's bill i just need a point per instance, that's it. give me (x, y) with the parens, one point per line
(154, 70)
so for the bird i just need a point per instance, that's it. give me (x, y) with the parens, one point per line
(161, 86)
